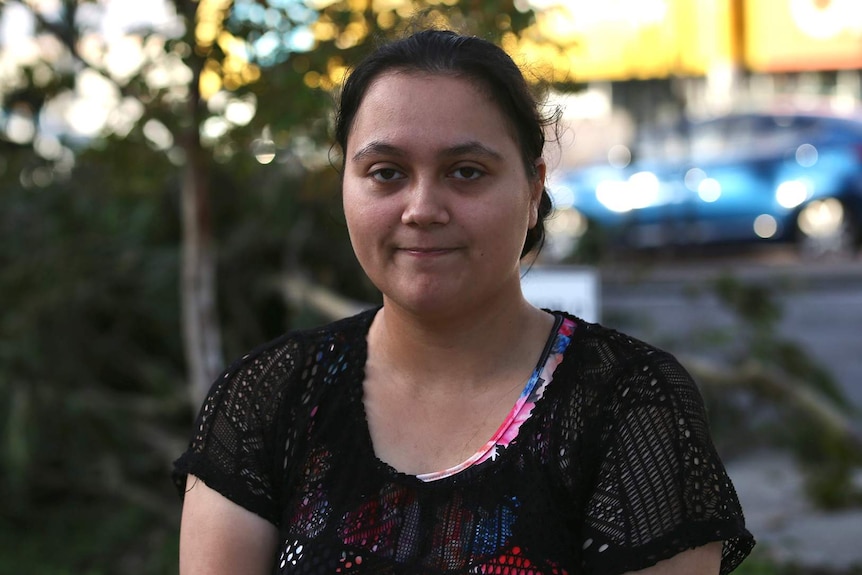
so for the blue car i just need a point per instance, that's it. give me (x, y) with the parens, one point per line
(740, 178)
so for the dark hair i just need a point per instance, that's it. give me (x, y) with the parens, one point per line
(446, 52)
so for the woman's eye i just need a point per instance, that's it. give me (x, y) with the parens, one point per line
(467, 173)
(386, 174)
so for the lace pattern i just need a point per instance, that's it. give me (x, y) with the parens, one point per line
(613, 470)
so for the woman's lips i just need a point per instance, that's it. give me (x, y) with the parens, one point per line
(427, 251)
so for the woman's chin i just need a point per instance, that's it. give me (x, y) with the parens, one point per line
(429, 306)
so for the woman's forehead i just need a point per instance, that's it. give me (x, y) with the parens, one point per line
(394, 81)
(442, 107)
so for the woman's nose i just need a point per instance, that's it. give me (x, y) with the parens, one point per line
(425, 204)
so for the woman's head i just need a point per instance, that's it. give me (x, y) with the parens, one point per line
(478, 61)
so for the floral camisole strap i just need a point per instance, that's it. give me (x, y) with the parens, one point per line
(551, 357)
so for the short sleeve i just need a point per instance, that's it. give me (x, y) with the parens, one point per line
(231, 449)
(660, 487)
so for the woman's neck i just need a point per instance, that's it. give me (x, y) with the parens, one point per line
(468, 349)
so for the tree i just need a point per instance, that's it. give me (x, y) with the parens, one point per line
(181, 131)
(196, 72)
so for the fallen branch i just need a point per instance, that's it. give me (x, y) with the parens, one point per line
(756, 375)
(299, 291)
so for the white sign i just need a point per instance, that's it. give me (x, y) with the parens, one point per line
(571, 289)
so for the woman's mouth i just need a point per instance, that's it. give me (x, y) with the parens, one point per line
(422, 251)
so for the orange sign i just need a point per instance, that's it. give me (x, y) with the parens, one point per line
(799, 35)
(629, 39)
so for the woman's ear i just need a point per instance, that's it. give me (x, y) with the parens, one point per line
(537, 186)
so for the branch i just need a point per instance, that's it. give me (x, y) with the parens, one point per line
(299, 291)
(757, 375)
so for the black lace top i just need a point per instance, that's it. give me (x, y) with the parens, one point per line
(613, 471)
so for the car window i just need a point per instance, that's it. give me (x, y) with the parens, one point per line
(668, 144)
(778, 134)
(714, 138)
(749, 135)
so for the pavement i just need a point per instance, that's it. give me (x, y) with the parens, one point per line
(788, 528)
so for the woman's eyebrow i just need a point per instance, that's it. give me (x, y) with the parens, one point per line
(473, 148)
(377, 148)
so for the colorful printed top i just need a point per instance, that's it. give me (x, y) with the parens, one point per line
(604, 464)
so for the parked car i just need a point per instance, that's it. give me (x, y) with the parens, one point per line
(739, 178)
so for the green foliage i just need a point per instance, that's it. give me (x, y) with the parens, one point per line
(88, 537)
(93, 398)
(761, 562)
(92, 330)
(829, 462)
(91, 375)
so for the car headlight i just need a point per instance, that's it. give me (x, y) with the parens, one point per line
(641, 190)
(821, 218)
(709, 190)
(792, 193)
(614, 196)
(765, 226)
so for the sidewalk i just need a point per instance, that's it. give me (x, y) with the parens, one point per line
(785, 525)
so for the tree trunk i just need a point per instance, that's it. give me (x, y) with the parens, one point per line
(201, 329)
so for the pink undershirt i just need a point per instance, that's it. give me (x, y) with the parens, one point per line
(523, 408)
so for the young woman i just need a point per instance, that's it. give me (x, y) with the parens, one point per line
(456, 428)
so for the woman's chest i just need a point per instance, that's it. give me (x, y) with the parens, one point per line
(420, 434)
(354, 524)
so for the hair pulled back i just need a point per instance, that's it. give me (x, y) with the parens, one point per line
(448, 53)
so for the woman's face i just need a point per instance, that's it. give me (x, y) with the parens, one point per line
(436, 195)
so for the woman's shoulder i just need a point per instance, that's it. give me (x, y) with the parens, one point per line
(597, 345)
(299, 342)
(272, 368)
(604, 362)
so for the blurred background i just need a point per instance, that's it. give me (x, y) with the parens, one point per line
(168, 200)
